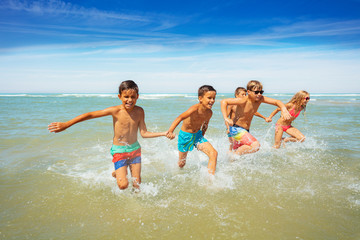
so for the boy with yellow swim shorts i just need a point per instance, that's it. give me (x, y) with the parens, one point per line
(128, 119)
(195, 123)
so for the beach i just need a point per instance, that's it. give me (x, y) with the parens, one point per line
(59, 186)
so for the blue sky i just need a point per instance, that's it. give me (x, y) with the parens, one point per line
(176, 46)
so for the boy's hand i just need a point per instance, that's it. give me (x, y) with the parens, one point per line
(229, 121)
(170, 135)
(57, 127)
(268, 119)
(285, 114)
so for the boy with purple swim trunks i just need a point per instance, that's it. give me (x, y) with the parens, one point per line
(241, 121)
(195, 122)
(128, 119)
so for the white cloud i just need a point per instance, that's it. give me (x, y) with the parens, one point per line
(286, 71)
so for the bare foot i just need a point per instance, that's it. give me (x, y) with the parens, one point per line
(283, 142)
(181, 163)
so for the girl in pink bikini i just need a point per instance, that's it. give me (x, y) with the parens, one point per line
(294, 106)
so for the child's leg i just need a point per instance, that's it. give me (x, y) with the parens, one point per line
(135, 170)
(245, 149)
(182, 159)
(231, 140)
(296, 135)
(210, 151)
(121, 177)
(278, 136)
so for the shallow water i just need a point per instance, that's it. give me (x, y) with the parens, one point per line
(59, 186)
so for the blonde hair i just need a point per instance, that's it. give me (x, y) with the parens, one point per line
(254, 84)
(298, 97)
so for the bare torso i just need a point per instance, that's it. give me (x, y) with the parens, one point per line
(289, 107)
(244, 113)
(126, 125)
(197, 119)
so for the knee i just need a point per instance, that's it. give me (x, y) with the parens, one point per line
(255, 146)
(213, 154)
(123, 184)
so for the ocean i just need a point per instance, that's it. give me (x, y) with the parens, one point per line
(59, 186)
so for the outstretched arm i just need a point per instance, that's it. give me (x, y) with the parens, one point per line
(261, 116)
(274, 113)
(61, 126)
(284, 112)
(143, 130)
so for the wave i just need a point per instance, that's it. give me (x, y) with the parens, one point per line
(165, 95)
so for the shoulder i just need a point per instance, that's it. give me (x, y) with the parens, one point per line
(113, 109)
(289, 105)
(194, 108)
(139, 111)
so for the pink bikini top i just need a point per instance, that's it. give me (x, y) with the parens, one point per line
(292, 112)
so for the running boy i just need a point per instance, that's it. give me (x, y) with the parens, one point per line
(127, 120)
(240, 92)
(195, 123)
(247, 107)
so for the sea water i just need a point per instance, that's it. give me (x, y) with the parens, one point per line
(59, 186)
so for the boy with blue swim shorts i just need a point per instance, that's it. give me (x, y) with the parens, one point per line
(187, 141)
(195, 122)
(128, 120)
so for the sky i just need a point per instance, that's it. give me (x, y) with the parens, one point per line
(176, 46)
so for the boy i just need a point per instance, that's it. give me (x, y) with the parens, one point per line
(127, 120)
(195, 123)
(241, 121)
(240, 92)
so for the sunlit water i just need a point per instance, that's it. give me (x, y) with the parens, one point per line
(59, 186)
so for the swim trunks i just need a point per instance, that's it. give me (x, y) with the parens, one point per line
(241, 136)
(126, 155)
(187, 141)
(285, 128)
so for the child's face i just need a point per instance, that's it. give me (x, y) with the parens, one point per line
(128, 98)
(306, 100)
(241, 94)
(208, 99)
(255, 94)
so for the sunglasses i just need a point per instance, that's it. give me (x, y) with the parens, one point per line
(307, 98)
(257, 92)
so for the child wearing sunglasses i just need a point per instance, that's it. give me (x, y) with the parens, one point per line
(239, 124)
(297, 103)
(240, 92)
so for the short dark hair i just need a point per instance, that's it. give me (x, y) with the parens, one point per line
(204, 89)
(128, 84)
(238, 90)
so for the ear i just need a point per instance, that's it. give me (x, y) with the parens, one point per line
(200, 98)
(119, 96)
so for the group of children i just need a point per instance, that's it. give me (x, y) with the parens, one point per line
(128, 120)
